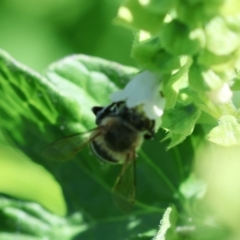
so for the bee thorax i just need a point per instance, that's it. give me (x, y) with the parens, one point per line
(120, 137)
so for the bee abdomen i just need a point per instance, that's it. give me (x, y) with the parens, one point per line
(103, 153)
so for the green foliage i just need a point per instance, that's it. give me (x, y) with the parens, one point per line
(12, 163)
(196, 12)
(134, 15)
(181, 126)
(195, 52)
(179, 40)
(46, 107)
(201, 79)
(152, 56)
(193, 49)
(227, 133)
(35, 222)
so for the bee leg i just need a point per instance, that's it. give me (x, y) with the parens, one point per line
(131, 156)
(124, 188)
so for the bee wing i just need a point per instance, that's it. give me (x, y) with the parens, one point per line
(124, 188)
(67, 147)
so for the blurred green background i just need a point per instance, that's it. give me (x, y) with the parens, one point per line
(42, 31)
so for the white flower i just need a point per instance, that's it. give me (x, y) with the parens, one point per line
(221, 95)
(143, 89)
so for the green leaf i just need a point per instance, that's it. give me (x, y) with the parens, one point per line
(179, 122)
(181, 119)
(175, 138)
(203, 79)
(179, 80)
(227, 133)
(150, 55)
(36, 110)
(69, 88)
(194, 12)
(171, 97)
(21, 178)
(135, 15)
(168, 225)
(59, 98)
(36, 221)
(178, 39)
(215, 62)
(220, 40)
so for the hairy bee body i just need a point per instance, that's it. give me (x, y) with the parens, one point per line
(119, 134)
(122, 132)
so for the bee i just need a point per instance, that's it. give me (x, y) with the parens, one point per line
(118, 136)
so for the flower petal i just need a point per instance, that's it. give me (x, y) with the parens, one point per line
(143, 89)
